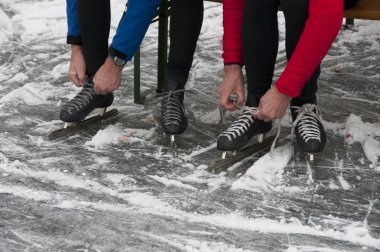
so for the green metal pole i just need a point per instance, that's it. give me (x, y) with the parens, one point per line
(137, 77)
(162, 45)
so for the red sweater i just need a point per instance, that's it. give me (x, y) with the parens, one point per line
(321, 27)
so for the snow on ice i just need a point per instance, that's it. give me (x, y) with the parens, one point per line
(118, 187)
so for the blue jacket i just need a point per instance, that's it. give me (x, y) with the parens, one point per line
(132, 27)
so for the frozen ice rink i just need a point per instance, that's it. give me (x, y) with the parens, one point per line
(117, 186)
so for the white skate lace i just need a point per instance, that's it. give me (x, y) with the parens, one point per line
(241, 125)
(307, 120)
(172, 108)
(82, 99)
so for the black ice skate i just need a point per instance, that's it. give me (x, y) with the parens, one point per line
(308, 128)
(173, 114)
(75, 111)
(241, 131)
(84, 103)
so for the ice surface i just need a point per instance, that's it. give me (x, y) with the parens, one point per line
(117, 186)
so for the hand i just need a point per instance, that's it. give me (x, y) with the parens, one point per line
(272, 105)
(107, 78)
(77, 68)
(232, 84)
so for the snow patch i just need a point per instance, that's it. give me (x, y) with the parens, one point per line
(364, 133)
(5, 28)
(345, 185)
(110, 135)
(212, 117)
(31, 94)
(171, 182)
(267, 172)
(202, 176)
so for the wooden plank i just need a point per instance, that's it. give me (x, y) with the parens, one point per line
(364, 9)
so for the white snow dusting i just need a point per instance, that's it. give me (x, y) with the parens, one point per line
(267, 172)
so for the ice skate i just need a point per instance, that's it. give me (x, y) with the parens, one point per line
(241, 131)
(308, 128)
(173, 114)
(74, 112)
(84, 103)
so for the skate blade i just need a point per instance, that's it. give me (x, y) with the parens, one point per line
(232, 153)
(172, 139)
(237, 156)
(102, 111)
(69, 125)
(73, 127)
(260, 138)
(310, 167)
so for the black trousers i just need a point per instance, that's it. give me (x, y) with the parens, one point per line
(94, 17)
(260, 42)
(185, 26)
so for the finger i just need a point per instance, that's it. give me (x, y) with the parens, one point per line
(229, 106)
(225, 102)
(74, 78)
(240, 98)
(82, 77)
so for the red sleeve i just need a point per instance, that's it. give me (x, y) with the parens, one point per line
(232, 26)
(321, 28)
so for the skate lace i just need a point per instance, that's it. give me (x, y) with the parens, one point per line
(82, 99)
(172, 108)
(307, 120)
(241, 125)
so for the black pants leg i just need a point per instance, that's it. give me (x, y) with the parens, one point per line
(94, 25)
(260, 46)
(349, 3)
(296, 14)
(260, 43)
(185, 25)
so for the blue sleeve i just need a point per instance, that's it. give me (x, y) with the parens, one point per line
(133, 26)
(72, 18)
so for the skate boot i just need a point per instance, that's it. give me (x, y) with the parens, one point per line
(308, 128)
(84, 102)
(242, 130)
(173, 114)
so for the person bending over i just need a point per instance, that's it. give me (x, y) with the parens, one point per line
(93, 64)
(251, 38)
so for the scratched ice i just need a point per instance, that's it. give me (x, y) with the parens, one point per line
(117, 186)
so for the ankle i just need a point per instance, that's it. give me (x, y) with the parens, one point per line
(300, 102)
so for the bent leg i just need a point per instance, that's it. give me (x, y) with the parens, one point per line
(94, 18)
(296, 14)
(185, 26)
(260, 46)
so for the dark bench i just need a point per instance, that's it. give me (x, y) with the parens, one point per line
(364, 9)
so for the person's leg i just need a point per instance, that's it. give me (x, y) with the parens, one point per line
(260, 46)
(296, 14)
(94, 24)
(94, 17)
(306, 115)
(185, 26)
(349, 3)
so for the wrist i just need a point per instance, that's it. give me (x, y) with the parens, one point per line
(110, 62)
(284, 95)
(76, 48)
(232, 67)
(118, 58)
